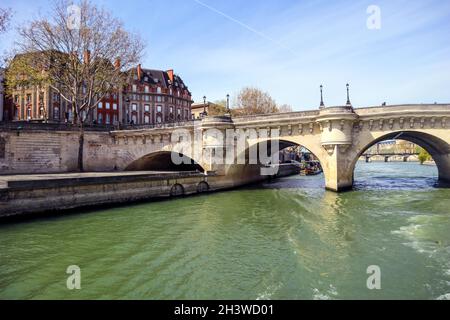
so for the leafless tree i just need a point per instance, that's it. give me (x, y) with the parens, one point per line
(284, 108)
(80, 51)
(5, 18)
(254, 101)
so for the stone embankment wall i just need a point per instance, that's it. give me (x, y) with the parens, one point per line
(49, 151)
(50, 194)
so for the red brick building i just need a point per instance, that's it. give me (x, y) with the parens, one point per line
(150, 97)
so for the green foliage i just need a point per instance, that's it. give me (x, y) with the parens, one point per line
(424, 155)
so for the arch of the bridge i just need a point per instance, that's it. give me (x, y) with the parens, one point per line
(436, 147)
(284, 142)
(163, 161)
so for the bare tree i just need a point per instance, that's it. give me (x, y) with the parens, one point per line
(284, 108)
(254, 101)
(5, 18)
(81, 52)
(218, 108)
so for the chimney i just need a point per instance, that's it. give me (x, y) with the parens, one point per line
(87, 56)
(170, 74)
(139, 71)
(117, 63)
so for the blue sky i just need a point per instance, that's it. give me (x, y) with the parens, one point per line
(289, 48)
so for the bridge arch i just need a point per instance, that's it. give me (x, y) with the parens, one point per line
(438, 148)
(162, 161)
(252, 172)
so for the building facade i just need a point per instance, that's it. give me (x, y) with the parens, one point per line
(150, 97)
(155, 97)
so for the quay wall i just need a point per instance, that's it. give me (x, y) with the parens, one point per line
(44, 195)
(52, 151)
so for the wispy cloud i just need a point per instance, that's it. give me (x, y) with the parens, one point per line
(245, 26)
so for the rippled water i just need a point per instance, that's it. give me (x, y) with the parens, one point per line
(288, 239)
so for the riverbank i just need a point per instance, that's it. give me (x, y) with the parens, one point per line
(55, 193)
(26, 194)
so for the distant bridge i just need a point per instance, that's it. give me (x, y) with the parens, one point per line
(387, 155)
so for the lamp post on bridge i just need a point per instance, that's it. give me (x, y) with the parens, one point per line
(349, 104)
(322, 105)
(204, 107)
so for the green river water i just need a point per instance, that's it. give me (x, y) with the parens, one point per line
(285, 239)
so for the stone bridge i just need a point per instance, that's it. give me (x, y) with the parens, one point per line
(337, 136)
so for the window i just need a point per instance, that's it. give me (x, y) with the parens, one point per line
(115, 119)
(146, 119)
(114, 106)
(158, 90)
(56, 113)
(100, 118)
(134, 107)
(170, 109)
(147, 108)
(100, 105)
(28, 98)
(134, 88)
(158, 119)
(134, 119)
(108, 120)
(55, 97)
(146, 90)
(158, 109)
(107, 106)
(158, 99)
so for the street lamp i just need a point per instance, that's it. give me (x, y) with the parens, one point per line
(204, 106)
(348, 95)
(322, 105)
(228, 103)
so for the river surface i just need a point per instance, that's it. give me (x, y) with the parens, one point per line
(285, 239)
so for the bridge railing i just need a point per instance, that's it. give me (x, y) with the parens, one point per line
(25, 125)
(158, 126)
(30, 125)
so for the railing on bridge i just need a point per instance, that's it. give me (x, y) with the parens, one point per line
(31, 125)
(158, 126)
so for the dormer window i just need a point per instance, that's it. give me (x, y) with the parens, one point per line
(147, 89)
(158, 90)
(134, 88)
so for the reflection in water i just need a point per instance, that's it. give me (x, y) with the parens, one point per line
(285, 239)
